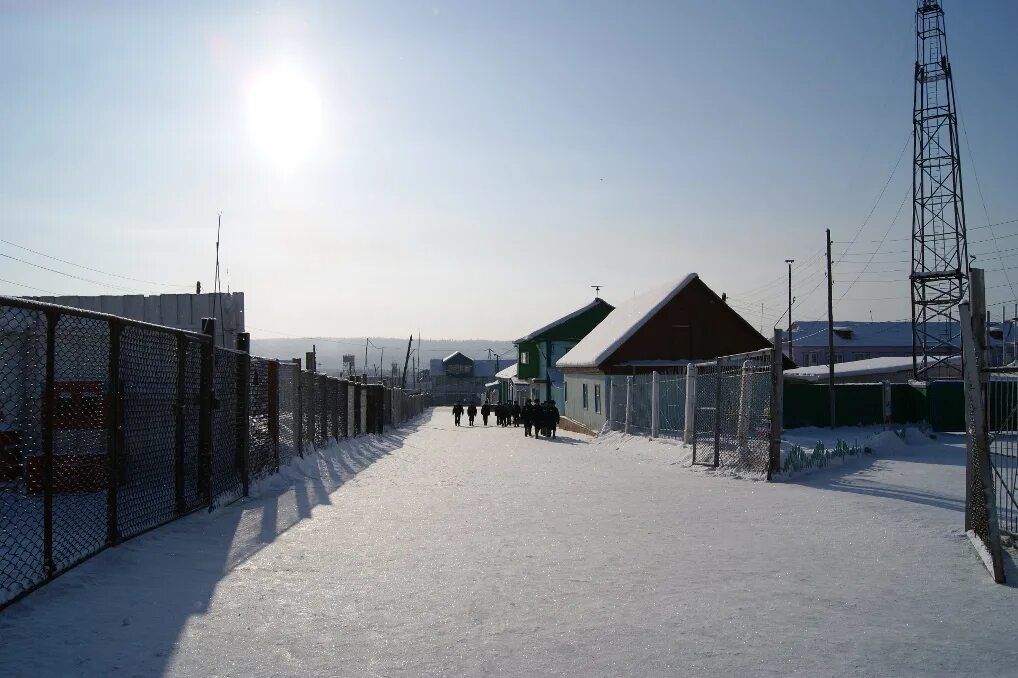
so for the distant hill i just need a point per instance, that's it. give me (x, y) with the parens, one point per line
(331, 349)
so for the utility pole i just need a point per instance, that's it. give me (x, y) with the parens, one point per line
(830, 330)
(366, 342)
(407, 361)
(790, 262)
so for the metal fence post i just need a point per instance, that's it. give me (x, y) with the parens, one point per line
(178, 443)
(776, 405)
(717, 414)
(689, 421)
(47, 444)
(115, 434)
(655, 408)
(742, 425)
(298, 428)
(629, 390)
(243, 390)
(207, 405)
(273, 410)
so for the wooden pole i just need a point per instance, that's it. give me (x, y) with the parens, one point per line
(830, 332)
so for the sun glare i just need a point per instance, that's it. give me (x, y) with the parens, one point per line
(284, 113)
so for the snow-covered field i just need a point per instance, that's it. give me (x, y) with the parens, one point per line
(458, 551)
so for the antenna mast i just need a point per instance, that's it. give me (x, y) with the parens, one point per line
(939, 246)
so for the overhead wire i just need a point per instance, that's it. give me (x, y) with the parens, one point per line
(88, 268)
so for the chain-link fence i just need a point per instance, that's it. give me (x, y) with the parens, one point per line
(733, 411)
(110, 427)
(647, 404)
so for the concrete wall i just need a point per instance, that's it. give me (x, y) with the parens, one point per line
(574, 400)
(182, 311)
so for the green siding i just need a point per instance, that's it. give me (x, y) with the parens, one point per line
(531, 369)
(855, 404)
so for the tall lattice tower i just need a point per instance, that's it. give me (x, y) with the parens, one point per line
(939, 250)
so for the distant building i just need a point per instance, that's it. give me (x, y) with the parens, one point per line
(893, 369)
(661, 330)
(861, 340)
(182, 311)
(539, 350)
(459, 377)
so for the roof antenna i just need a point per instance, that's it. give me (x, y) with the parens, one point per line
(597, 291)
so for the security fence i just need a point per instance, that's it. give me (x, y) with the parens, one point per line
(734, 411)
(991, 408)
(648, 404)
(110, 427)
(728, 409)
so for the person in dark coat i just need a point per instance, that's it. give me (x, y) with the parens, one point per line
(553, 417)
(471, 413)
(527, 414)
(537, 416)
(506, 413)
(485, 411)
(517, 411)
(457, 412)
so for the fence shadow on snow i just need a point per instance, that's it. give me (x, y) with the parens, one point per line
(180, 565)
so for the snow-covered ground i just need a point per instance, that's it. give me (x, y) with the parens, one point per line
(458, 551)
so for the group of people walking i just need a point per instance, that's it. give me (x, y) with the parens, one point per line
(541, 418)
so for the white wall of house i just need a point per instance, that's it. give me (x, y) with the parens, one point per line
(590, 413)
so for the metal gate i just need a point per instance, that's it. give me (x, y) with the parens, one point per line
(735, 411)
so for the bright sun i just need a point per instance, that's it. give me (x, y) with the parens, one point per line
(284, 114)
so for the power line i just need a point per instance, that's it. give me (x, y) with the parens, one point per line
(37, 289)
(88, 268)
(979, 189)
(71, 275)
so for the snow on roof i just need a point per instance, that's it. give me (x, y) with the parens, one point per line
(621, 324)
(538, 332)
(455, 354)
(859, 333)
(858, 368)
(507, 373)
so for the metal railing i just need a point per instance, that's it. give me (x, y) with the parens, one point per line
(110, 427)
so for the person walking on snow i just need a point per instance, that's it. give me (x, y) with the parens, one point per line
(527, 414)
(517, 411)
(457, 412)
(553, 417)
(485, 411)
(471, 413)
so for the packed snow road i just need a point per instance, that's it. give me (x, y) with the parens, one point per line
(469, 551)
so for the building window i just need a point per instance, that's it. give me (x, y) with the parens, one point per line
(863, 355)
(597, 398)
(584, 396)
(813, 358)
(839, 358)
(524, 358)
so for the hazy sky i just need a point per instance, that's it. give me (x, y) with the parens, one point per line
(469, 169)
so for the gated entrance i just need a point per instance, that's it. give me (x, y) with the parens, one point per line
(736, 411)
